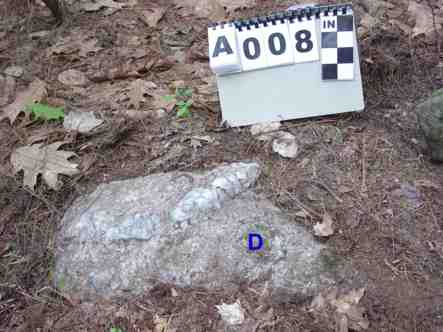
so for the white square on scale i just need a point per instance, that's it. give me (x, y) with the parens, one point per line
(345, 71)
(329, 56)
(345, 39)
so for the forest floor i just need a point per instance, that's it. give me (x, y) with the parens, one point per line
(388, 217)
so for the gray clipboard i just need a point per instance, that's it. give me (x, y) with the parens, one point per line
(288, 92)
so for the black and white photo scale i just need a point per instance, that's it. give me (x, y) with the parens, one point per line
(337, 47)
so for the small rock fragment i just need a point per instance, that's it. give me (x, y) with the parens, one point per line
(160, 113)
(81, 121)
(325, 228)
(265, 131)
(73, 77)
(285, 145)
(38, 34)
(111, 229)
(430, 116)
(232, 314)
(14, 71)
(409, 194)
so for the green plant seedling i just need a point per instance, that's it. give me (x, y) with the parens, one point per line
(183, 108)
(61, 283)
(115, 329)
(169, 98)
(183, 101)
(45, 112)
(183, 92)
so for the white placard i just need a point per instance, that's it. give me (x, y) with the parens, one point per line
(252, 47)
(278, 46)
(223, 50)
(304, 40)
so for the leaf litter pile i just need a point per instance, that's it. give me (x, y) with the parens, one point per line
(123, 89)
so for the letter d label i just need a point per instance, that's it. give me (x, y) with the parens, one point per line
(255, 246)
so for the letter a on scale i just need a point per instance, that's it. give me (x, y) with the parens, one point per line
(223, 50)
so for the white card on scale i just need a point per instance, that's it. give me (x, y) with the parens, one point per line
(251, 42)
(278, 47)
(223, 51)
(304, 40)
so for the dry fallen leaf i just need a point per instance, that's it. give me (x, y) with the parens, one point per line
(427, 184)
(424, 21)
(89, 47)
(325, 228)
(159, 101)
(347, 305)
(99, 4)
(348, 313)
(36, 159)
(174, 293)
(153, 16)
(161, 324)
(138, 89)
(14, 71)
(36, 92)
(195, 144)
(7, 89)
(203, 8)
(232, 5)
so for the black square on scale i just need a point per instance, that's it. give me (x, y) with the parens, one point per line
(345, 55)
(328, 39)
(345, 23)
(329, 72)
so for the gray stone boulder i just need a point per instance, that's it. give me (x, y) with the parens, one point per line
(187, 229)
(430, 115)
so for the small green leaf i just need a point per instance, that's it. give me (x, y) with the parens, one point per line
(45, 112)
(115, 329)
(169, 98)
(188, 103)
(183, 92)
(187, 93)
(61, 283)
(181, 103)
(183, 112)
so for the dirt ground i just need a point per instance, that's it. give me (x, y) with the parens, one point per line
(383, 192)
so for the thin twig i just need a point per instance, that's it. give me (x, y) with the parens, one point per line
(329, 190)
(437, 34)
(303, 206)
(44, 200)
(364, 188)
(392, 267)
(41, 198)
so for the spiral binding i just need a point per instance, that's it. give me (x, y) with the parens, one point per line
(290, 15)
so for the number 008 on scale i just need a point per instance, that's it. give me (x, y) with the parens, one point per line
(260, 45)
